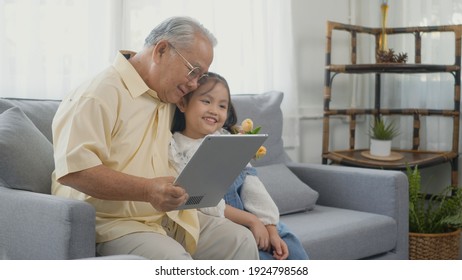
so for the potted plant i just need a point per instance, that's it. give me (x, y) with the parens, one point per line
(381, 133)
(434, 220)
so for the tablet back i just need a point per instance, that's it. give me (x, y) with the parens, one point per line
(215, 165)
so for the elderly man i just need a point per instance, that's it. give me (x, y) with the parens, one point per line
(111, 140)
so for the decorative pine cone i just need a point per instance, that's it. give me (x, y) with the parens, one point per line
(390, 57)
(401, 58)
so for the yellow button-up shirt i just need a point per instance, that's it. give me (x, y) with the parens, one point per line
(118, 121)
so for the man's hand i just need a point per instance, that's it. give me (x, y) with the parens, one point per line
(104, 183)
(164, 196)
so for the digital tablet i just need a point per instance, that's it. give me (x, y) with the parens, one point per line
(214, 167)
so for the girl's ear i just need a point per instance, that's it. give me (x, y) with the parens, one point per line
(181, 105)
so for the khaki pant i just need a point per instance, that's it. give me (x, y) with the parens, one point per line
(220, 239)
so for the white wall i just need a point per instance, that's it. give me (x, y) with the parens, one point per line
(309, 23)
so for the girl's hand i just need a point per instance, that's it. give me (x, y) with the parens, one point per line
(260, 234)
(279, 247)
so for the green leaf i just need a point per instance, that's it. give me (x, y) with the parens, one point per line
(438, 213)
(256, 130)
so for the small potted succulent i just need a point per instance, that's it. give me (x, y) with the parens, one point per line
(381, 133)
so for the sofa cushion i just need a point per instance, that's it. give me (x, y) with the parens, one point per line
(265, 111)
(26, 155)
(329, 233)
(288, 192)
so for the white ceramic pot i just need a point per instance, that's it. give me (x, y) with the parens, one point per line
(381, 148)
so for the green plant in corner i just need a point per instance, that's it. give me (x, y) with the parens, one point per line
(438, 213)
(382, 130)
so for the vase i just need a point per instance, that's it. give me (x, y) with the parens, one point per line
(434, 246)
(383, 34)
(381, 148)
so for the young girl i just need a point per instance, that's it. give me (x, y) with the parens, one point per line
(208, 110)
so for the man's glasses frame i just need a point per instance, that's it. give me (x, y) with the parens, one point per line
(194, 71)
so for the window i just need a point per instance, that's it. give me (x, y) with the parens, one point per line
(48, 47)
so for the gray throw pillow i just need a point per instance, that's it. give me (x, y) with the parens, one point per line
(26, 155)
(40, 112)
(265, 110)
(288, 192)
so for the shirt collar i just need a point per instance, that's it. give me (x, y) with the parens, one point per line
(133, 81)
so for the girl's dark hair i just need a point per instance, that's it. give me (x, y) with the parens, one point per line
(179, 122)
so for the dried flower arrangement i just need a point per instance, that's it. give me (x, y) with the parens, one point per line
(390, 56)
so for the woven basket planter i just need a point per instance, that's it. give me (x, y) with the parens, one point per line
(438, 246)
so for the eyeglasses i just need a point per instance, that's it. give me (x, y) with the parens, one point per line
(194, 71)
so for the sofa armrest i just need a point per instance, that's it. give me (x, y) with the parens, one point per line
(41, 226)
(377, 191)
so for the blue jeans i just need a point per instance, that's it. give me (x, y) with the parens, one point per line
(233, 198)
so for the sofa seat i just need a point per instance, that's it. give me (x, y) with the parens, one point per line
(349, 234)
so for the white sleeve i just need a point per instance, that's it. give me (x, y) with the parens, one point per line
(217, 211)
(257, 201)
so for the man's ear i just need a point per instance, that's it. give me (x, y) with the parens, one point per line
(159, 50)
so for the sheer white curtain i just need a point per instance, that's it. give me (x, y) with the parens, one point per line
(408, 91)
(48, 47)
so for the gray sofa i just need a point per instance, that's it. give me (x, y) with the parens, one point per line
(337, 212)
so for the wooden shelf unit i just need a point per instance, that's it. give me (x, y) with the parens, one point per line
(415, 156)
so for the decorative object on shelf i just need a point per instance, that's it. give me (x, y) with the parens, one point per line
(383, 35)
(383, 54)
(435, 221)
(392, 157)
(389, 56)
(381, 134)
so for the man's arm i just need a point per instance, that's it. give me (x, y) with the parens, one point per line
(104, 183)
